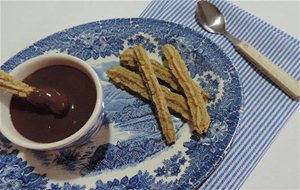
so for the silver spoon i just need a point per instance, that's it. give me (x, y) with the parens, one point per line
(212, 20)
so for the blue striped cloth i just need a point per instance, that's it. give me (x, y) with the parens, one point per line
(266, 108)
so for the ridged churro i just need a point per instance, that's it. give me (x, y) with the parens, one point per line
(14, 86)
(199, 115)
(129, 80)
(128, 58)
(156, 93)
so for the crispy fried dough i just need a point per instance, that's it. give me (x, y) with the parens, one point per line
(128, 58)
(199, 115)
(156, 93)
(131, 81)
(14, 86)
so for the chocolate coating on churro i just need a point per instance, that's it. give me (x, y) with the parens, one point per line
(49, 98)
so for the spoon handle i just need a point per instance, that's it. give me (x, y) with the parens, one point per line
(281, 78)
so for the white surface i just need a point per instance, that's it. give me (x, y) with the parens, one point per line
(23, 23)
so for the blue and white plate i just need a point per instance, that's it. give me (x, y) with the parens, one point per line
(128, 152)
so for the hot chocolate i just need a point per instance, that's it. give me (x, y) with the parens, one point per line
(41, 125)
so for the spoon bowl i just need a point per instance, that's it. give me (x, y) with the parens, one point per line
(210, 18)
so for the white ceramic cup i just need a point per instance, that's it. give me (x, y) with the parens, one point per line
(32, 65)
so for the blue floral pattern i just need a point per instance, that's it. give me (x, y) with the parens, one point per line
(67, 186)
(172, 166)
(4, 143)
(128, 152)
(14, 174)
(145, 42)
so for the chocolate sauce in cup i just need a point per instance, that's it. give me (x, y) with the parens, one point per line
(35, 127)
(39, 124)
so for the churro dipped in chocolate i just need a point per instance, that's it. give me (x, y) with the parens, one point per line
(41, 97)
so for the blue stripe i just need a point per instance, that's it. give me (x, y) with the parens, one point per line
(276, 48)
(261, 148)
(296, 70)
(266, 107)
(184, 11)
(286, 49)
(255, 146)
(265, 137)
(244, 177)
(256, 155)
(241, 151)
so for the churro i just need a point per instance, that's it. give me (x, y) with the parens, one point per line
(128, 58)
(156, 93)
(199, 115)
(14, 86)
(131, 81)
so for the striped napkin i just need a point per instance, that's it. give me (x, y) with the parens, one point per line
(266, 108)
